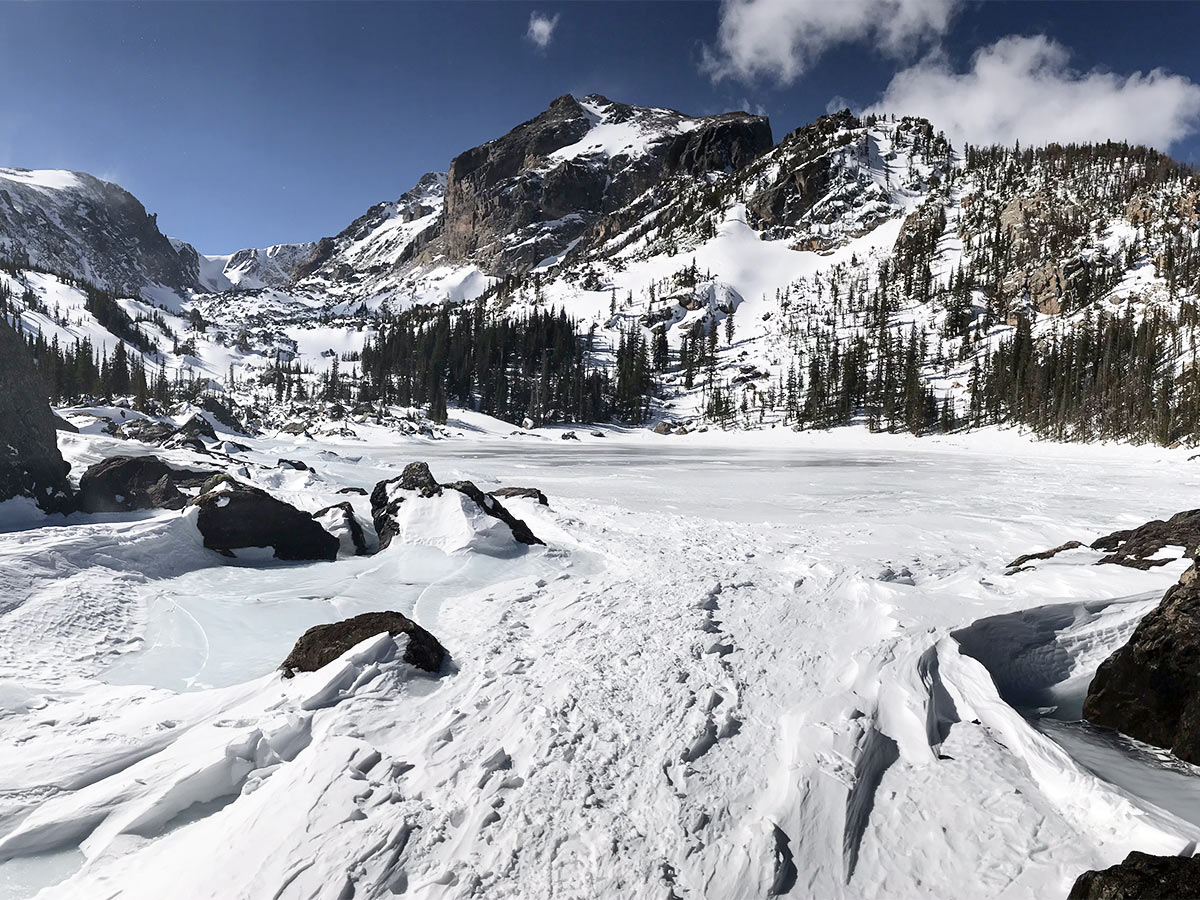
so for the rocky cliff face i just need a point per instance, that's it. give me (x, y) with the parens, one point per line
(528, 195)
(30, 464)
(76, 224)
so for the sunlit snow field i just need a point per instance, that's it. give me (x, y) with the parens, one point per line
(744, 665)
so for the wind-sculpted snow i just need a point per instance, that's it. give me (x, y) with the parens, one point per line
(711, 683)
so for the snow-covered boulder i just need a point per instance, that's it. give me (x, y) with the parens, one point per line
(322, 644)
(236, 516)
(415, 509)
(126, 483)
(340, 521)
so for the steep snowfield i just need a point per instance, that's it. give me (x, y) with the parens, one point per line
(744, 665)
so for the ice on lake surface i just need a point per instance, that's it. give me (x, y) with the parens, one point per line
(723, 648)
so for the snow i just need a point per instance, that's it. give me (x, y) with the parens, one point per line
(710, 682)
(49, 179)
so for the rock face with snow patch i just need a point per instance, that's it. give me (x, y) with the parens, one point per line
(234, 516)
(322, 644)
(1141, 876)
(1150, 688)
(126, 483)
(453, 516)
(527, 195)
(30, 463)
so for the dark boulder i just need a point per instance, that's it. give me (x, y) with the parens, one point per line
(322, 644)
(353, 490)
(294, 464)
(1135, 546)
(339, 520)
(30, 462)
(63, 425)
(1150, 688)
(1141, 877)
(417, 482)
(526, 492)
(235, 516)
(126, 483)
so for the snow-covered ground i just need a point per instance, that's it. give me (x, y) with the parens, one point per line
(744, 665)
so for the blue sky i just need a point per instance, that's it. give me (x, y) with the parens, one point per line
(251, 124)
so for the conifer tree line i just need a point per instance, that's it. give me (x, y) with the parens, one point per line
(535, 366)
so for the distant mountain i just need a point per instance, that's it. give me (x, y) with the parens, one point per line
(74, 223)
(862, 269)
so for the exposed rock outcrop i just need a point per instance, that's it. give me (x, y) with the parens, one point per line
(30, 462)
(1150, 688)
(322, 644)
(1141, 877)
(236, 516)
(126, 483)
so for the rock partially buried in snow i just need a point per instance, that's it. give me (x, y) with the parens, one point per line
(1141, 547)
(527, 493)
(126, 483)
(1141, 876)
(322, 644)
(235, 516)
(340, 521)
(1150, 688)
(453, 517)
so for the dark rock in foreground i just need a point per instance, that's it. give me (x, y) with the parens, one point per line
(236, 516)
(417, 482)
(1150, 688)
(1134, 546)
(322, 644)
(30, 463)
(126, 483)
(1141, 877)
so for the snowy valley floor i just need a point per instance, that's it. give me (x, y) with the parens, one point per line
(744, 666)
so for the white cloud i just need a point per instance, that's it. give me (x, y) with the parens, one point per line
(780, 39)
(1023, 88)
(541, 29)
